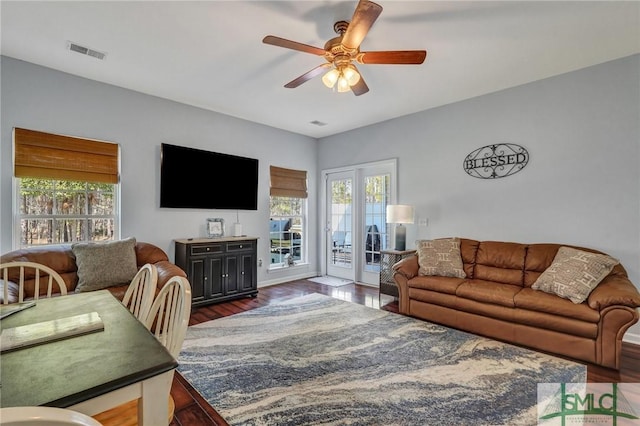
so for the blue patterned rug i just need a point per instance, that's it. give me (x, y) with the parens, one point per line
(318, 360)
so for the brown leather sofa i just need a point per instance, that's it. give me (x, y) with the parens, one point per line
(496, 300)
(60, 258)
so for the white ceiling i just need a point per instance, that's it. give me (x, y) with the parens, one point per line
(210, 53)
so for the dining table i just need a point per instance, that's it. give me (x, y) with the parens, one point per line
(91, 371)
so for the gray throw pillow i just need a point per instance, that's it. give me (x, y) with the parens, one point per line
(107, 264)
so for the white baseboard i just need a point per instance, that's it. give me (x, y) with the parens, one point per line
(631, 338)
(279, 280)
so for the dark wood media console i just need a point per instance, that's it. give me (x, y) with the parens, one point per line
(219, 269)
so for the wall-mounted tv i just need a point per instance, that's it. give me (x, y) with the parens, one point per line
(199, 179)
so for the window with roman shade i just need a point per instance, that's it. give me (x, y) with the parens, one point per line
(287, 221)
(66, 188)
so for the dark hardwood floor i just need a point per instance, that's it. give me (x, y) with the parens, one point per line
(192, 410)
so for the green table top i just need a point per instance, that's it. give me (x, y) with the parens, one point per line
(66, 372)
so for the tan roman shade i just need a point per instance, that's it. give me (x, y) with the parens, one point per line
(44, 155)
(288, 183)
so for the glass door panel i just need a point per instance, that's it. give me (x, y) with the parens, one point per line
(340, 225)
(376, 197)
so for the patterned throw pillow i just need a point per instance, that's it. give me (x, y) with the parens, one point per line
(102, 265)
(574, 273)
(440, 257)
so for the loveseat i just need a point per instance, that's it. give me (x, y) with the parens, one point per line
(497, 294)
(61, 258)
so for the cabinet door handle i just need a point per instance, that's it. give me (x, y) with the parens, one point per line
(205, 278)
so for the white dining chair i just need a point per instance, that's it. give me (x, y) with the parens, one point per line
(141, 291)
(44, 416)
(18, 278)
(168, 320)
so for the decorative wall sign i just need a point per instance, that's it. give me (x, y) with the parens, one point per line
(496, 161)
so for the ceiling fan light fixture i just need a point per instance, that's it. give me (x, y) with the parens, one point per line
(343, 84)
(330, 78)
(351, 74)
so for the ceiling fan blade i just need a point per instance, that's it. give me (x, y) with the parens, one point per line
(320, 69)
(360, 88)
(364, 16)
(283, 42)
(409, 57)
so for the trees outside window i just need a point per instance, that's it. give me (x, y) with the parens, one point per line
(64, 211)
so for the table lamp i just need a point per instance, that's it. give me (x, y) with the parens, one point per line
(399, 214)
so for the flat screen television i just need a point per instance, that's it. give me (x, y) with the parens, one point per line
(199, 179)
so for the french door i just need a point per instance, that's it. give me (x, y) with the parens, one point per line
(355, 219)
(340, 225)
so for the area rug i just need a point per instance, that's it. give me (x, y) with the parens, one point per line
(318, 360)
(331, 281)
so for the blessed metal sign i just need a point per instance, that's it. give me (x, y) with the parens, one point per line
(496, 161)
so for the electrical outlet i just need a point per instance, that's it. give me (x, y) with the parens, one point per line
(423, 222)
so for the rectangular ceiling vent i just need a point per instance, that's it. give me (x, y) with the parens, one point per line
(85, 50)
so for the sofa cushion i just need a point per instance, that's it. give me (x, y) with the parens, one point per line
(489, 292)
(105, 264)
(540, 301)
(468, 251)
(500, 262)
(447, 285)
(440, 257)
(574, 273)
(539, 257)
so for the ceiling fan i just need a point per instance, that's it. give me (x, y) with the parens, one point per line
(341, 52)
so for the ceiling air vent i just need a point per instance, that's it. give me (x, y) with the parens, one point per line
(318, 123)
(85, 50)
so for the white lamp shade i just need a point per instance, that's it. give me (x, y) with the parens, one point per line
(399, 213)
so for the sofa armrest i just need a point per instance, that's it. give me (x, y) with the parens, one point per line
(614, 290)
(167, 270)
(407, 267)
(149, 253)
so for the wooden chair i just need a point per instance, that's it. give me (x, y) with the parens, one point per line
(40, 271)
(168, 320)
(141, 291)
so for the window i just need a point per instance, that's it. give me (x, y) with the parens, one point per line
(286, 226)
(66, 189)
(287, 211)
(62, 211)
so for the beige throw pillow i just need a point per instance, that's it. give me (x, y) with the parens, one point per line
(102, 265)
(574, 273)
(13, 291)
(440, 257)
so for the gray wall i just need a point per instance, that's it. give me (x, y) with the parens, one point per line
(581, 186)
(42, 99)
